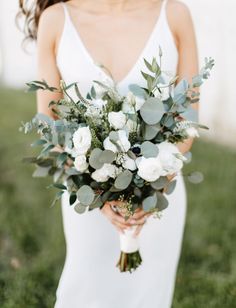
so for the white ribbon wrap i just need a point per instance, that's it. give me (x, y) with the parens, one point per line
(129, 243)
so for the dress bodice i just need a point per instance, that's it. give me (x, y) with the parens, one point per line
(76, 65)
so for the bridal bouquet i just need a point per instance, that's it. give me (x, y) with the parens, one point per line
(116, 147)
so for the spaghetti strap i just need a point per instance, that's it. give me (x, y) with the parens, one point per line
(66, 12)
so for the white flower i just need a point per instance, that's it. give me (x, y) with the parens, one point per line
(123, 141)
(167, 155)
(126, 162)
(149, 169)
(192, 132)
(121, 145)
(82, 139)
(132, 103)
(99, 103)
(131, 125)
(117, 119)
(100, 90)
(103, 174)
(108, 145)
(81, 163)
(165, 92)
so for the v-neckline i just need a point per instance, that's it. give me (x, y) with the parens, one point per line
(139, 58)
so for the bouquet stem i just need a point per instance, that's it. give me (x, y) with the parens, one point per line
(129, 262)
(130, 257)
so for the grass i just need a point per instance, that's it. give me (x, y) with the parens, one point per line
(32, 247)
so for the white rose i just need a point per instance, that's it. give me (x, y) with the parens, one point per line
(192, 132)
(167, 155)
(123, 141)
(117, 119)
(149, 169)
(126, 162)
(108, 145)
(165, 92)
(103, 174)
(82, 139)
(81, 163)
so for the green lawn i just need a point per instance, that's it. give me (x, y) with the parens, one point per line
(32, 247)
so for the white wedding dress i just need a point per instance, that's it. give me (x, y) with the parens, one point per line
(90, 278)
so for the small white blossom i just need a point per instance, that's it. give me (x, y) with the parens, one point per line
(81, 163)
(126, 161)
(164, 92)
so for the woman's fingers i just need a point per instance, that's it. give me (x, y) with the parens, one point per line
(138, 229)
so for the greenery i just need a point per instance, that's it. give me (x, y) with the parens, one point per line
(32, 247)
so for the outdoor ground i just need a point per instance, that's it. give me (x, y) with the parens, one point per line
(32, 247)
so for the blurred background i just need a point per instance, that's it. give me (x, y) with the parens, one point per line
(32, 247)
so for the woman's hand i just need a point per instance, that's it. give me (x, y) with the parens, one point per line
(118, 218)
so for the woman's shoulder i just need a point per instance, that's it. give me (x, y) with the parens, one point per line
(51, 22)
(179, 17)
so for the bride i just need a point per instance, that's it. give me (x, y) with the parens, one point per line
(72, 36)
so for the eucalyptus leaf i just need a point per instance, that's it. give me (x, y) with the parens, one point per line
(123, 180)
(160, 183)
(137, 90)
(149, 203)
(73, 198)
(170, 188)
(39, 142)
(162, 202)
(94, 159)
(85, 195)
(195, 177)
(150, 131)
(152, 111)
(41, 172)
(107, 157)
(80, 208)
(148, 149)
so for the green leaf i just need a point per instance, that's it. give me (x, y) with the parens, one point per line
(73, 198)
(97, 203)
(85, 195)
(160, 183)
(123, 180)
(107, 157)
(148, 149)
(59, 186)
(57, 197)
(149, 203)
(61, 159)
(162, 202)
(150, 131)
(94, 159)
(80, 208)
(170, 188)
(195, 177)
(41, 172)
(148, 65)
(39, 142)
(152, 111)
(190, 114)
(137, 90)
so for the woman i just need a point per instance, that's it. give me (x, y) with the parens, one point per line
(71, 37)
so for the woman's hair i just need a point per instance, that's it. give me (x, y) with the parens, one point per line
(31, 10)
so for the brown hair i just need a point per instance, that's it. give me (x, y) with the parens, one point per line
(32, 10)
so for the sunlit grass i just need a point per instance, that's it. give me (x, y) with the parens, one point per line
(31, 239)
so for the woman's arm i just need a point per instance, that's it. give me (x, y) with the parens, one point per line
(181, 24)
(50, 25)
